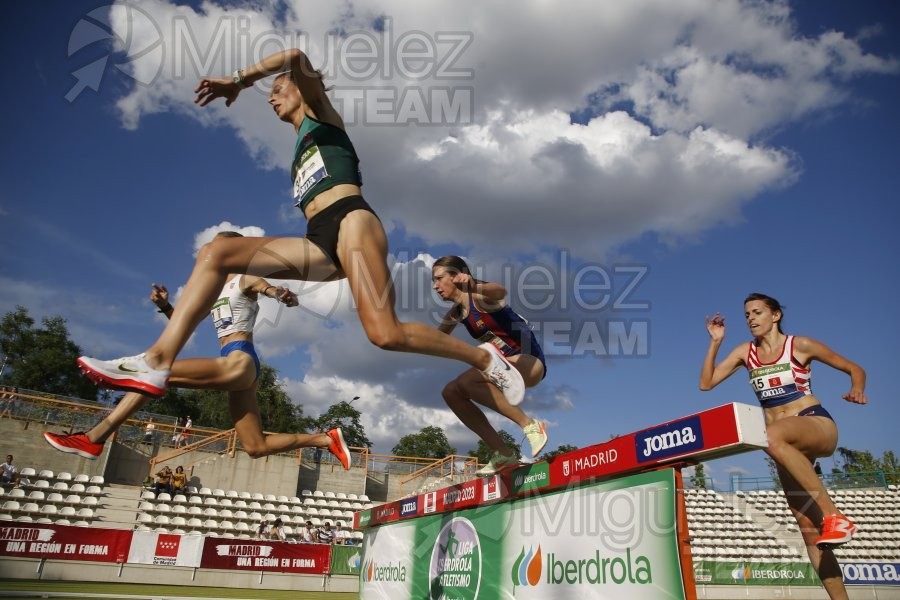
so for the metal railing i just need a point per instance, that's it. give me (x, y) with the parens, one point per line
(450, 469)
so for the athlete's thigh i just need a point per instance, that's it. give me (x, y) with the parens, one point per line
(813, 436)
(530, 367)
(277, 257)
(235, 371)
(362, 249)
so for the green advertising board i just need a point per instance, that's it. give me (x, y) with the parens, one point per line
(608, 540)
(754, 573)
(345, 560)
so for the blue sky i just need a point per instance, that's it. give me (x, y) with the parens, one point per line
(691, 152)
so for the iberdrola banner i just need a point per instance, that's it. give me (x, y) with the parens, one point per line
(755, 573)
(612, 540)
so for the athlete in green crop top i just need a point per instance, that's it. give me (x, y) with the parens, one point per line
(344, 239)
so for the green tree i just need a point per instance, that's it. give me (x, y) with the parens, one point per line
(210, 408)
(561, 449)
(890, 467)
(346, 417)
(863, 461)
(698, 477)
(773, 472)
(175, 403)
(856, 461)
(430, 442)
(483, 452)
(42, 358)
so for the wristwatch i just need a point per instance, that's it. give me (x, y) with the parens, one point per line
(238, 78)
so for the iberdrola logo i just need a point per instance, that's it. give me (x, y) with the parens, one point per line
(384, 572)
(741, 572)
(526, 571)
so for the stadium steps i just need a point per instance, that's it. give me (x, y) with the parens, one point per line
(118, 506)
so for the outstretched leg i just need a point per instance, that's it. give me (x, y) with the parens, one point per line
(248, 424)
(284, 258)
(809, 518)
(362, 249)
(794, 442)
(462, 394)
(236, 371)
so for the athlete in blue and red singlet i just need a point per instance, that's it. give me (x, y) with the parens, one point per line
(798, 426)
(480, 306)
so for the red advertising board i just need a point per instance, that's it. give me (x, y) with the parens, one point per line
(704, 434)
(34, 540)
(281, 557)
(721, 431)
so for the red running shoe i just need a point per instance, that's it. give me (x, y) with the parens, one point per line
(836, 531)
(77, 443)
(338, 447)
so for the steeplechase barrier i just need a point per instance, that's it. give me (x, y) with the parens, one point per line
(606, 521)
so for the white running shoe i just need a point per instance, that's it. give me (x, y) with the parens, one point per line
(497, 463)
(130, 374)
(503, 375)
(536, 432)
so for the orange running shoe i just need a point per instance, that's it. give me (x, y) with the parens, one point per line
(836, 531)
(338, 447)
(77, 443)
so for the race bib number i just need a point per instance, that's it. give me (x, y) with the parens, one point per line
(310, 172)
(221, 314)
(502, 346)
(773, 382)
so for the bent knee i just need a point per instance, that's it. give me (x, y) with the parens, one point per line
(256, 448)
(453, 393)
(210, 254)
(388, 338)
(256, 451)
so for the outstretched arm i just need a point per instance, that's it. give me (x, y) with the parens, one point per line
(308, 79)
(808, 348)
(448, 324)
(160, 297)
(488, 295)
(712, 374)
(264, 288)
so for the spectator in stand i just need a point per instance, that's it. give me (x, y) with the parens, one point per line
(306, 534)
(186, 432)
(262, 530)
(148, 431)
(164, 481)
(325, 534)
(341, 535)
(276, 531)
(179, 481)
(818, 468)
(7, 402)
(176, 431)
(9, 474)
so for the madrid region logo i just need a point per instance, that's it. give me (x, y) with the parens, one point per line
(526, 570)
(123, 31)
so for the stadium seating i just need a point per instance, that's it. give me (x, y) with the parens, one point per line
(759, 525)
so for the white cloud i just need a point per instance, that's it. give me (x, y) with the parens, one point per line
(673, 103)
(702, 81)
